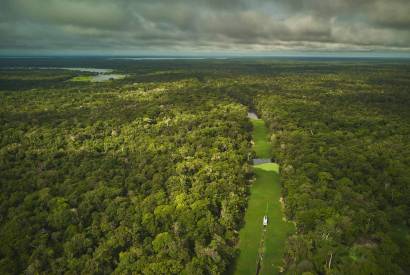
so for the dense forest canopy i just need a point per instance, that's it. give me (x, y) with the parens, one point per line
(150, 174)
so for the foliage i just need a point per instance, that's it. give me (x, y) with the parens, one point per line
(343, 143)
(121, 180)
(148, 174)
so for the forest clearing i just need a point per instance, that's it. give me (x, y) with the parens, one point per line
(262, 247)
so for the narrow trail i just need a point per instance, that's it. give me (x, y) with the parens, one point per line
(261, 247)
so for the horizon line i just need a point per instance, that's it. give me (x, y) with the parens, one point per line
(198, 56)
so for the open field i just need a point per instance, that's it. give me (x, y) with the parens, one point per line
(262, 146)
(85, 78)
(264, 199)
(267, 175)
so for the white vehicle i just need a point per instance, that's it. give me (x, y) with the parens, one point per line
(265, 220)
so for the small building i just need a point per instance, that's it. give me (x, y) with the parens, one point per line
(265, 220)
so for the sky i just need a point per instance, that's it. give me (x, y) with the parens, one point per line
(205, 27)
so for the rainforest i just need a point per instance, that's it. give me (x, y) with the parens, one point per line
(152, 171)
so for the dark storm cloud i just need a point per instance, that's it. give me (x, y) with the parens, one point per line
(204, 25)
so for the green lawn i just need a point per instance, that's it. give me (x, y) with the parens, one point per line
(265, 195)
(82, 78)
(262, 147)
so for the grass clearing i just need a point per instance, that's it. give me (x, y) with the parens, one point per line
(261, 146)
(82, 78)
(264, 199)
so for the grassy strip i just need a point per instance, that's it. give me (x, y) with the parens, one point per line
(265, 195)
(267, 175)
(261, 145)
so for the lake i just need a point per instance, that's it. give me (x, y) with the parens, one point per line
(101, 74)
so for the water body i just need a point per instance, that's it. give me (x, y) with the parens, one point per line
(106, 77)
(90, 70)
(261, 161)
(252, 115)
(169, 58)
(101, 74)
(158, 58)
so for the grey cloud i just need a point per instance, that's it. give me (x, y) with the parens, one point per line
(391, 14)
(205, 25)
(98, 14)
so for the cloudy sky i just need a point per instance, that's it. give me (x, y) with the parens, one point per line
(204, 26)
